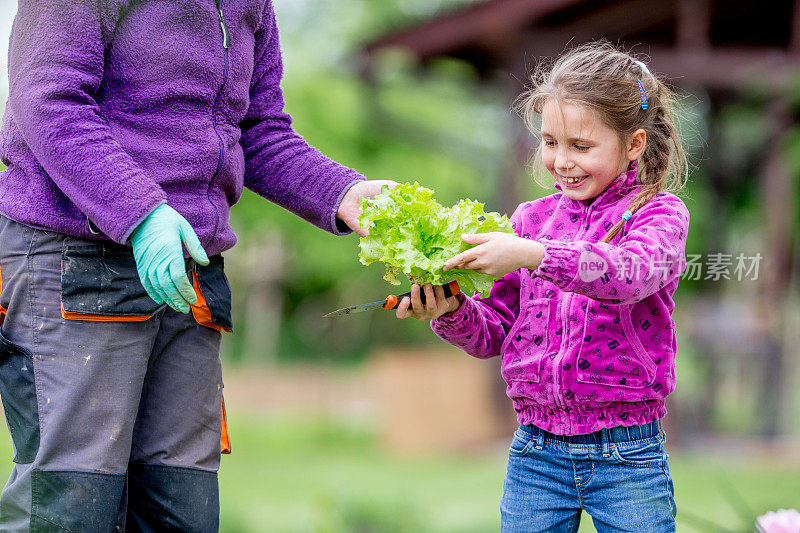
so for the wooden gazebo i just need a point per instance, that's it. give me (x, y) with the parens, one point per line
(721, 49)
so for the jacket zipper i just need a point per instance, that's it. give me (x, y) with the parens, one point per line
(226, 36)
(564, 326)
(226, 42)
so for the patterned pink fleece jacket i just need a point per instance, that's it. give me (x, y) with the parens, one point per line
(587, 339)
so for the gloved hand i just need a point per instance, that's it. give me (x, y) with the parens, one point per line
(159, 257)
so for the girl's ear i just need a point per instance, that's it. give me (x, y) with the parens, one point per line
(636, 144)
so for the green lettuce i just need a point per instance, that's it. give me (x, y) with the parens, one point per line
(414, 235)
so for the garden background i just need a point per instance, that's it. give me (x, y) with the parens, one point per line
(367, 424)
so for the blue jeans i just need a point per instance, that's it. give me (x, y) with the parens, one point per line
(619, 476)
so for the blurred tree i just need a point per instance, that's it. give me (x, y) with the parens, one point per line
(445, 130)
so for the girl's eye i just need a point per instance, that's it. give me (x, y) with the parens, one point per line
(549, 142)
(581, 148)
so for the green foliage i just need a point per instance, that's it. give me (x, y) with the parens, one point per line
(443, 130)
(413, 234)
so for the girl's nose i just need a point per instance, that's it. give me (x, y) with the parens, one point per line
(563, 162)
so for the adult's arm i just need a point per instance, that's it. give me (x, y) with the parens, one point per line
(56, 60)
(279, 164)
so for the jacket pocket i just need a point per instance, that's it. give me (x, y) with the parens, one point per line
(611, 355)
(99, 282)
(526, 343)
(18, 391)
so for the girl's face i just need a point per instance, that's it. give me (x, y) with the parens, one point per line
(576, 144)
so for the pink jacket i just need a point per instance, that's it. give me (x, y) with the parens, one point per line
(587, 339)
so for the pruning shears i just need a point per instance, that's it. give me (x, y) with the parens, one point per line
(393, 300)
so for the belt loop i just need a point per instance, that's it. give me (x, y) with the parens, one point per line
(605, 437)
(539, 439)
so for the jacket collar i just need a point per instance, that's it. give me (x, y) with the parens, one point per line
(618, 188)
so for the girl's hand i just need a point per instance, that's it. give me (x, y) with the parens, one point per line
(497, 254)
(435, 303)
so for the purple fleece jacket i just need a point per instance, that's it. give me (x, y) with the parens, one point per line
(118, 106)
(587, 339)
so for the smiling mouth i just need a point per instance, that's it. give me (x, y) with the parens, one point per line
(573, 181)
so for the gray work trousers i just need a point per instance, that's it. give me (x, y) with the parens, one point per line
(116, 418)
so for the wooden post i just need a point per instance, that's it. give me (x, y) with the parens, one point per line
(779, 195)
(694, 23)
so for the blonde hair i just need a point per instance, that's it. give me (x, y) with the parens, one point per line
(606, 80)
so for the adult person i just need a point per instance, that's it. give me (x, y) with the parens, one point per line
(130, 130)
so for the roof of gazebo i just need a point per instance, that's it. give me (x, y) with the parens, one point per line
(711, 43)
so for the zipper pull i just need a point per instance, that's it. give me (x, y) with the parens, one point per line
(226, 36)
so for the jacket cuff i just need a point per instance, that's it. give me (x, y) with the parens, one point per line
(127, 235)
(453, 322)
(559, 265)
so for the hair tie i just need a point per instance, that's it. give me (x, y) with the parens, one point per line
(627, 215)
(642, 93)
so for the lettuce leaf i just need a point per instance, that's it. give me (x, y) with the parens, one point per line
(414, 235)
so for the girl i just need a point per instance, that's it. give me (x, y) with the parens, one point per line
(582, 314)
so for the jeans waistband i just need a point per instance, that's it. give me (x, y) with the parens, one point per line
(615, 434)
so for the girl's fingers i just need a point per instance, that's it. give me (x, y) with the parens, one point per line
(430, 299)
(470, 265)
(440, 299)
(416, 302)
(459, 260)
(455, 261)
(435, 303)
(478, 238)
(402, 308)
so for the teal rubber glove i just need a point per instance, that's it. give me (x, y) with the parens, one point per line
(157, 248)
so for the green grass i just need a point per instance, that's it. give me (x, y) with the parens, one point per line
(291, 475)
(288, 476)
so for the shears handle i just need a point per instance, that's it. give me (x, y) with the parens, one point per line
(392, 301)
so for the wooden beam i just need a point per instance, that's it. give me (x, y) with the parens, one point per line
(484, 20)
(614, 19)
(715, 69)
(729, 68)
(630, 17)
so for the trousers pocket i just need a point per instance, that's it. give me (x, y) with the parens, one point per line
(18, 392)
(642, 454)
(99, 282)
(225, 439)
(521, 444)
(213, 307)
